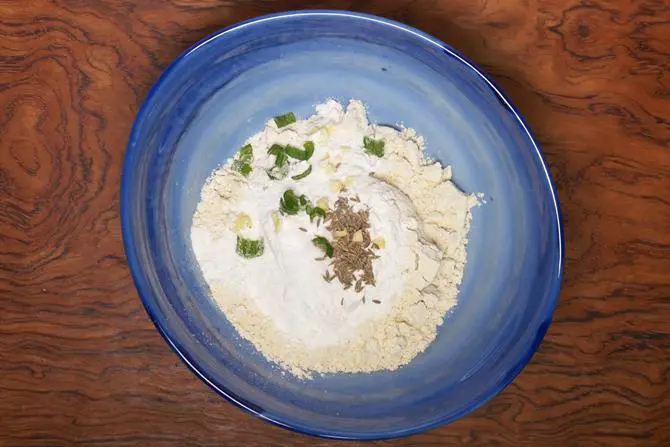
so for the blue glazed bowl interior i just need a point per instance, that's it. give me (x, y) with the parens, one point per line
(223, 90)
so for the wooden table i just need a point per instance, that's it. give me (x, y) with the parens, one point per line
(80, 362)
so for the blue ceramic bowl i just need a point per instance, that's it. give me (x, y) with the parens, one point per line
(223, 90)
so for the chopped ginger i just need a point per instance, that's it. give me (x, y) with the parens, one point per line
(276, 220)
(337, 186)
(340, 233)
(328, 167)
(322, 203)
(243, 221)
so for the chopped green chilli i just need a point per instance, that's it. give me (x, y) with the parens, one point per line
(300, 154)
(309, 147)
(278, 173)
(243, 160)
(290, 203)
(293, 152)
(373, 147)
(246, 154)
(322, 243)
(280, 169)
(249, 248)
(280, 155)
(275, 149)
(281, 160)
(304, 202)
(245, 169)
(285, 119)
(303, 174)
(314, 212)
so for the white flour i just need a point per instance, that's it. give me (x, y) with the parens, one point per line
(280, 302)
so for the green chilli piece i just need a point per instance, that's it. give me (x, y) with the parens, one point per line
(285, 119)
(275, 149)
(278, 173)
(314, 212)
(243, 160)
(249, 248)
(322, 243)
(280, 169)
(373, 147)
(243, 168)
(300, 154)
(281, 160)
(246, 154)
(309, 149)
(290, 203)
(282, 154)
(279, 151)
(246, 169)
(303, 174)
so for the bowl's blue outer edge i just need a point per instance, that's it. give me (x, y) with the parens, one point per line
(247, 406)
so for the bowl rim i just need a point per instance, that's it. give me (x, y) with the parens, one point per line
(146, 294)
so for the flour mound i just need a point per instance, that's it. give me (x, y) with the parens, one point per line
(280, 301)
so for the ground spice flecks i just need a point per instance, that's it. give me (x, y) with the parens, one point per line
(353, 251)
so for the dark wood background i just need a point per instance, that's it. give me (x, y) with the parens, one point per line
(80, 362)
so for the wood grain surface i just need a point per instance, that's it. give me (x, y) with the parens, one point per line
(80, 362)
